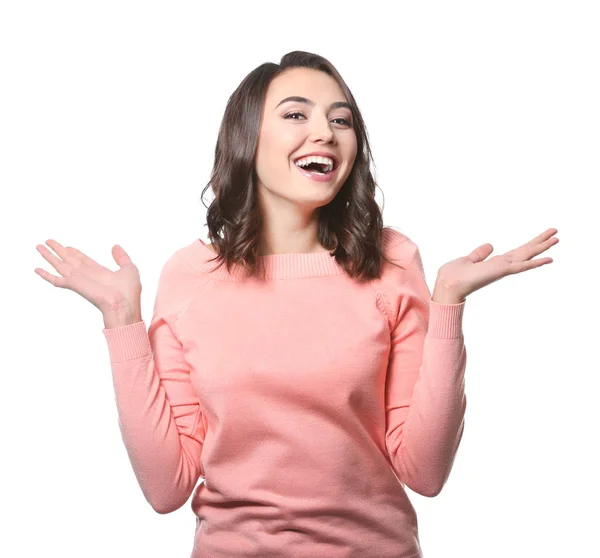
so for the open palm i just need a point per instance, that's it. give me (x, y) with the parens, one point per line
(467, 274)
(107, 290)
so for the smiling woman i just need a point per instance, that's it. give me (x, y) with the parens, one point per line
(310, 397)
(292, 170)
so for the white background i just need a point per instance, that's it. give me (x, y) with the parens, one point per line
(484, 120)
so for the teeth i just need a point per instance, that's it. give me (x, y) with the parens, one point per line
(316, 159)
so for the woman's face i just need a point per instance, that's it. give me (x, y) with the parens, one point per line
(284, 136)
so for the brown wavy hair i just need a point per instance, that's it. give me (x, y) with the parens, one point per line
(350, 225)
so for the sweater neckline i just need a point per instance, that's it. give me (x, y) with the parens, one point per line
(277, 266)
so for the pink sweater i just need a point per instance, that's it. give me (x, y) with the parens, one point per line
(306, 403)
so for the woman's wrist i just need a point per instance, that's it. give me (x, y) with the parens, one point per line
(121, 318)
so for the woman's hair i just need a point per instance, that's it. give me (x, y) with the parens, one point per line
(350, 225)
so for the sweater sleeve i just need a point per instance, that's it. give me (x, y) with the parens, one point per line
(425, 397)
(159, 414)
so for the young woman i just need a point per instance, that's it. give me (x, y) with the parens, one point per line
(299, 363)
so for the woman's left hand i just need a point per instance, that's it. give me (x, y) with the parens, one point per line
(465, 275)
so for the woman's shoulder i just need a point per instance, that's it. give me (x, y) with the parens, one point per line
(392, 237)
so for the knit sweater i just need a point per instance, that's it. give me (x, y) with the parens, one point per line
(306, 402)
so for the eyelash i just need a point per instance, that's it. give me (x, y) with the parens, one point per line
(287, 116)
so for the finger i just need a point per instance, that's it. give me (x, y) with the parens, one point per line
(65, 252)
(55, 262)
(536, 250)
(519, 267)
(58, 248)
(542, 237)
(538, 263)
(52, 279)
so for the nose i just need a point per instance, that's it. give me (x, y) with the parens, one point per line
(321, 128)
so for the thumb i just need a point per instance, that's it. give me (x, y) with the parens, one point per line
(120, 256)
(481, 253)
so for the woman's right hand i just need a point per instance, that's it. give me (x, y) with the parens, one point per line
(109, 291)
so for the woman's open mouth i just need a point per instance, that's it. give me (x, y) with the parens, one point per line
(315, 171)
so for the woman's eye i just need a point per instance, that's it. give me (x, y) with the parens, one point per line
(288, 117)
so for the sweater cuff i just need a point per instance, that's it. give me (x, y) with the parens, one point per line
(127, 342)
(445, 320)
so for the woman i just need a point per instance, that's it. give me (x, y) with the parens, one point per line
(309, 375)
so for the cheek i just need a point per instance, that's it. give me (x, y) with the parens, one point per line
(276, 146)
(273, 140)
(351, 157)
(271, 157)
(286, 140)
(353, 147)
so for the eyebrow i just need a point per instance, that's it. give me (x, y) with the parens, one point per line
(337, 104)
